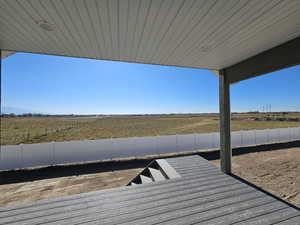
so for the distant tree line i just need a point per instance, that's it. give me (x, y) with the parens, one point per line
(6, 115)
(41, 115)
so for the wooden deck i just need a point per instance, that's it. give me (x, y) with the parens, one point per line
(201, 195)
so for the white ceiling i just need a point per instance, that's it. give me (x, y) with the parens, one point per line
(209, 34)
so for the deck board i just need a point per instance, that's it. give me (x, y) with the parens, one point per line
(202, 195)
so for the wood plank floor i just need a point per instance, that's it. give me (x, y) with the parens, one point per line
(202, 195)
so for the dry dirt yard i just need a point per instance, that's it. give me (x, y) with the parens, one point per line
(32, 185)
(274, 170)
(277, 172)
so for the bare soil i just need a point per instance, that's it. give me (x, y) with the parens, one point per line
(277, 172)
(274, 168)
(18, 187)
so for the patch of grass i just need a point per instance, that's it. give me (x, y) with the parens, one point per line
(45, 129)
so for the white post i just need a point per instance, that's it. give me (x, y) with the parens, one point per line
(225, 139)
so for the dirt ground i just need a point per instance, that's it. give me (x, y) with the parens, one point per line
(32, 185)
(274, 168)
(277, 172)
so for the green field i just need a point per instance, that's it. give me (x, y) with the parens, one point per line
(16, 130)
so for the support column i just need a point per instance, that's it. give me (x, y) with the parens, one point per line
(0, 80)
(225, 139)
(0, 93)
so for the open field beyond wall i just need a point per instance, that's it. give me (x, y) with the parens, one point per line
(17, 130)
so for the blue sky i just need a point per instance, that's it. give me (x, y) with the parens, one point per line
(63, 85)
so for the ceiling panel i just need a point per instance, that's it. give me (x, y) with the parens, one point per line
(211, 34)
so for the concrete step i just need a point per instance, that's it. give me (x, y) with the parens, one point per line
(156, 174)
(145, 179)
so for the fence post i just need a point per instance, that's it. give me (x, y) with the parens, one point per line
(241, 132)
(53, 153)
(215, 141)
(21, 156)
(113, 147)
(176, 143)
(156, 144)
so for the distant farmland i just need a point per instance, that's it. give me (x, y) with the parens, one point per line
(16, 130)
